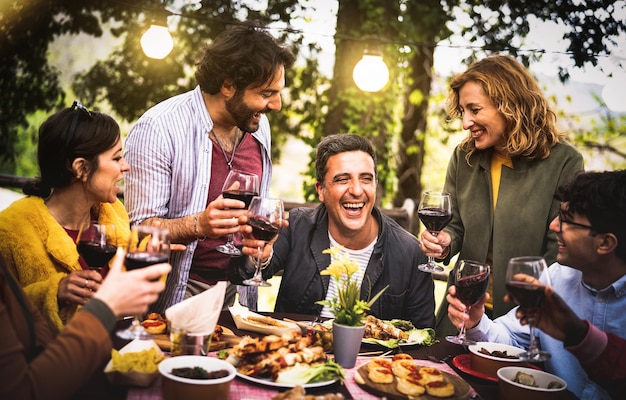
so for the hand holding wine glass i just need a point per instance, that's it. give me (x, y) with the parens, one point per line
(97, 244)
(526, 278)
(242, 186)
(435, 212)
(471, 279)
(265, 216)
(147, 245)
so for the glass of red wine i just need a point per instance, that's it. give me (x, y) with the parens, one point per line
(242, 186)
(526, 278)
(471, 279)
(435, 212)
(147, 245)
(265, 216)
(97, 244)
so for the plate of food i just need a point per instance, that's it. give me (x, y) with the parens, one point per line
(403, 378)
(284, 361)
(396, 332)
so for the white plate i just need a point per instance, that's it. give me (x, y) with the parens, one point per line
(267, 382)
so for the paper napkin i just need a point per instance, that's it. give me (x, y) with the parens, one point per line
(198, 314)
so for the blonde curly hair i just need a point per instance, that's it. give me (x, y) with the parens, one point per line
(531, 129)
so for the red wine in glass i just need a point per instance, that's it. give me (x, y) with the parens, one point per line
(470, 289)
(144, 259)
(265, 216)
(240, 195)
(97, 244)
(525, 280)
(262, 229)
(147, 245)
(435, 212)
(243, 186)
(527, 295)
(471, 279)
(434, 219)
(96, 255)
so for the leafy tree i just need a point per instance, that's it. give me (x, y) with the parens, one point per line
(394, 118)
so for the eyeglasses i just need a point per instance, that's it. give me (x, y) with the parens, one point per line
(564, 219)
(76, 106)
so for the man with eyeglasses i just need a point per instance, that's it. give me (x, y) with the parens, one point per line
(584, 327)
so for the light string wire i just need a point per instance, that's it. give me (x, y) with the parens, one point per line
(303, 32)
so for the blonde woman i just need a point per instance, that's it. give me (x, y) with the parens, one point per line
(503, 175)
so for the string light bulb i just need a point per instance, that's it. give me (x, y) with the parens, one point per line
(370, 74)
(157, 42)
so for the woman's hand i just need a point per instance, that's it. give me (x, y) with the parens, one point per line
(456, 310)
(78, 287)
(435, 246)
(132, 292)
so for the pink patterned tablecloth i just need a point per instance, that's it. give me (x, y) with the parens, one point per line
(241, 390)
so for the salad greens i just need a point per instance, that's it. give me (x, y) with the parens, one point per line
(423, 337)
(304, 373)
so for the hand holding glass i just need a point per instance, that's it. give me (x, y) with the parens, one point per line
(526, 278)
(147, 246)
(265, 216)
(471, 280)
(242, 186)
(97, 244)
(435, 212)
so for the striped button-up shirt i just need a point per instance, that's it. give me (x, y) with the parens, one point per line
(169, 151)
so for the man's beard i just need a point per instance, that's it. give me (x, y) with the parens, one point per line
(241, 113)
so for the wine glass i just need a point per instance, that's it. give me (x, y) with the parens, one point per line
(97, 244)
(526, 278)
(471, 279)
(265, 216)
(435, 212)
(242, 186)
(147, 245)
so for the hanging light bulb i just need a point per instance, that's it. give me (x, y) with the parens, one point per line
(613, 94)
(157, 42)
(370, 74)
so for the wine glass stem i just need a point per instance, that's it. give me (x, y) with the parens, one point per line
(257, 275)
(533, 340)
(230, 239)
(462, 331)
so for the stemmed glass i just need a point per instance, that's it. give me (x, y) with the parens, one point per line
(242, 186)
(435, 212)
(147, 245)
(265, 216)
(97, 244)
(471, 279)
(526, 278)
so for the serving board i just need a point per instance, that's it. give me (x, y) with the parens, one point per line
(462, 389)
(228, 337)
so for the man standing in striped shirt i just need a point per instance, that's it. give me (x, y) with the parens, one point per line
(182, 149)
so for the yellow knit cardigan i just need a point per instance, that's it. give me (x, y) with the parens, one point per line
(40, 253)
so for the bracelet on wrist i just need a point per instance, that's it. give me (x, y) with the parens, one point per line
(195, 228)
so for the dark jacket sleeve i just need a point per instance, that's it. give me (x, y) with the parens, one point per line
(61, 365)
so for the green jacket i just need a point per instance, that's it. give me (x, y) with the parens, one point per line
(519, 224)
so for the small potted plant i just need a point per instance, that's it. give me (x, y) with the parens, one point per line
(347, 307)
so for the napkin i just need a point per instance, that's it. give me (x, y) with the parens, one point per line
(198, 314)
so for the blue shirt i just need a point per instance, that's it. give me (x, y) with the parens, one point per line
(604, 308)
(170, 153)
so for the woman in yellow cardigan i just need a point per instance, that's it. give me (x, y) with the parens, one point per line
(80, 162)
